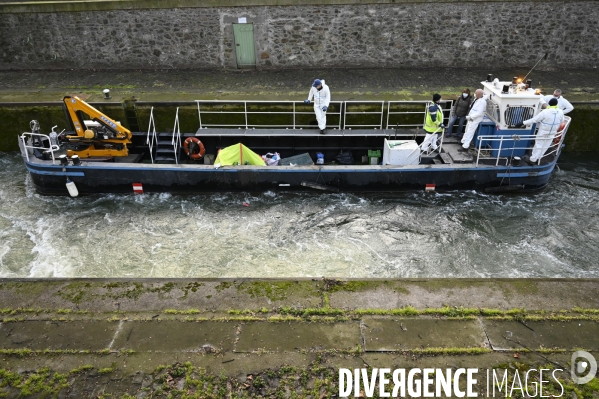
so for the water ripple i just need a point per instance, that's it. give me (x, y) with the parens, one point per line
(416, 234)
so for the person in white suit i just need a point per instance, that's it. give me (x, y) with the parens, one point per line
(549, 121)
(322, 97)
(562, 103)
(474, 118)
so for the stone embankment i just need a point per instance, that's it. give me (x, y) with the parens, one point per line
(186, 34)
(281, 338)
(27, 95)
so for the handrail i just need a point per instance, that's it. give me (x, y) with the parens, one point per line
(493, 138)
(390, 112)
(551, 149)
(293, 112)
(439, 143)
(153, 140)
(176, 139)
(348, 112)
(23, 138)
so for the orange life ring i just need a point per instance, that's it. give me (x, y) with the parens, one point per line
(558, 135)
(192, 155)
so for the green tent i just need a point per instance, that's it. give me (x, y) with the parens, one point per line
(238, 154)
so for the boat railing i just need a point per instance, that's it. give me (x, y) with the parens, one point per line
(247, 109)
(341, 114)
(28, 136)
(426, 148)
(362, 110)
(489, 144)
(407, 113)
(151, 138)
(176, 139)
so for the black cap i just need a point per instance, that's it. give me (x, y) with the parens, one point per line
(436, 97)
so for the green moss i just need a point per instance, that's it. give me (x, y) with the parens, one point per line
(107, 370)
(75, 291)
(282, 319)
(239, 312)
(318, 379)
(451, 311)
(193, 287)
(164, 117)
(278, 290)
(351, 286)
(491, 312)
(15, 120)
(81, 369)
(240, 318)
(330, 285)
(451, 351)
(186, 311)
(516, 313)
(586, 311)
(16, 352)
(312, 312)
(582, 132)
(223, 286)
(134, 290)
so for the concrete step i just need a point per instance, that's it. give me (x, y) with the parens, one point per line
(384, 333)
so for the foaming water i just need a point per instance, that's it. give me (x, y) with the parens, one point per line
(454, 234)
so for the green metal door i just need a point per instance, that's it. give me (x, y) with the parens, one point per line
(244, 45)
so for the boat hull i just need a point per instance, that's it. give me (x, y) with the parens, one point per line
(119, 178)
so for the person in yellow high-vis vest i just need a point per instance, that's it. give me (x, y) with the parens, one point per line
(433, 124)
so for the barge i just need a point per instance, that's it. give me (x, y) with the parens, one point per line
(372, 153)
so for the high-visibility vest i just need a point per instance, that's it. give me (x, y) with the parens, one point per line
(429, 125)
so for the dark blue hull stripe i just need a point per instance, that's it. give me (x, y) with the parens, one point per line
(59, 172)
(530, 174)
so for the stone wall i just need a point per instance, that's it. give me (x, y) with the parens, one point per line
(429, 34)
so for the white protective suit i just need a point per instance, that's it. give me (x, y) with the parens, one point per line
(322, 98)
(549, 120)
(474, 118)
(562, 103)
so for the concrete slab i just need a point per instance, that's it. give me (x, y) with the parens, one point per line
(382, 334)
(289, 337)
(505, 335)
(175, 336)
(39, 335)
(158, 294)
(531, 294)
(155, 295)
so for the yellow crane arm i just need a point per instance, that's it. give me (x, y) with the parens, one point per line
(75, 105)
(108, 141)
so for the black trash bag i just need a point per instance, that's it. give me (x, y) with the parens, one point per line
(345, 158)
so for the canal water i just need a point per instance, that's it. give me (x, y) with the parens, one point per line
(553, 233)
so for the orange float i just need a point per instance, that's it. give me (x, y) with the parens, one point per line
(190, 154)
(558, 135)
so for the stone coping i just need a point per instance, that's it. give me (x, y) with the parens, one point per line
(222, 295)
